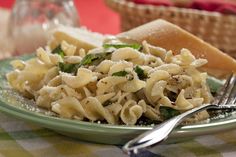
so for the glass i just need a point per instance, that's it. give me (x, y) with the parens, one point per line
(31, 21)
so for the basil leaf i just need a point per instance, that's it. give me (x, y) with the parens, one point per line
(120, 73)
(117, 46)
(140, 73)
(68, 68)
(167, 112)
(95, 59)
(58, 51)
(90, 59)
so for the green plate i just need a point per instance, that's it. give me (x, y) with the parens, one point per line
(14, 104)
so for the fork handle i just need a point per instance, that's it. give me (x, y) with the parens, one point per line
(161, 132)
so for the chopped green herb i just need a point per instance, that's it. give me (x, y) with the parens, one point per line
(120, 73)
(140, 72)
(68, 68)
(95, 59)
(58, 51)
(117, 46)
(90, 59)
(167, 112)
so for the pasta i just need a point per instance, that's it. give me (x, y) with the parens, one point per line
(104, 84)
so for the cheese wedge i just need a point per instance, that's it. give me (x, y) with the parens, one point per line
(171, 37)
(79, 37)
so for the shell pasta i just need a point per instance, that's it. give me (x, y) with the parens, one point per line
(117, 83)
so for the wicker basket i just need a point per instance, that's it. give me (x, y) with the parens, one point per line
(213, 27)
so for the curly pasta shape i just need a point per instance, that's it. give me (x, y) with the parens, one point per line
(153, 78)
(154, 50)
(186, 56)
(72, 59)
(18, 64)
(132, 86)
(182, 103)
(127, 54)
(171, 68)
(105, 97)
(152, 61)
(169, 57)
(181, 81)
(105, 66)
(48, 58)
(119, 66)
(52, 73)
(49, 94)
(131, 112)
(68, 48)
(12, 78)
(152, 113)
(43, 56)
(165, 101)
(69, 107)
(115, 109)
(107, 84)
(56, 81)
(158, 88)
(29, 77)
(95, 111)
(83, 77)
(198, 63)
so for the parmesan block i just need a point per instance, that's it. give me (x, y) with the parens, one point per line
(79, 37)
(171, 37)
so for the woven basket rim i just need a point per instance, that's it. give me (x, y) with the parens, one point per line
(133, 15)
(124, 4)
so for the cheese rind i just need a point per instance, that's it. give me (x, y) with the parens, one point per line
(171, 37)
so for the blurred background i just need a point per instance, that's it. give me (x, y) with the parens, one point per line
(25, 25)
(94, 14)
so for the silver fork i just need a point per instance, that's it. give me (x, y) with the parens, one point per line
(226, 99)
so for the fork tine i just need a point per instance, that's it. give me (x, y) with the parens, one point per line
(233, 100)
(220, 93)
(227, 92)
(232, 96)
